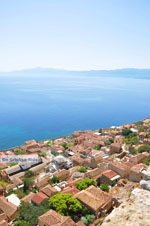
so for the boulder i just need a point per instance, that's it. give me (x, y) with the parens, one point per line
(145, 184)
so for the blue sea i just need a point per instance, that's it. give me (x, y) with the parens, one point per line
(43, 104)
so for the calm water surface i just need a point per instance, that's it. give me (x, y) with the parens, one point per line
(47, 106)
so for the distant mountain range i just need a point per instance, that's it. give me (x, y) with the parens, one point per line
(127, 72)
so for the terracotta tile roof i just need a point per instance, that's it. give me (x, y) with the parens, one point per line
(137, 168)
(98, 158)
(17, 181)
(10, 186)
(62, 174)
(42, 182)
(3, 165)
(109, 173)
(3, 223)
(119, 165)
(6, 207)
(80, 223)
(52, 218)
(49, 190)
(93, 173)
(30, 142)
(38, 198)
(3, 216)
(34, 150)
(12, 169)
(77, 175)
(143, 134)
(93, 197)
(71, 190)
(138, 158)
(71, 182)
(28, 198)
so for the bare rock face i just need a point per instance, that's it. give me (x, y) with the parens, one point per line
(145, 184)
(133, 212)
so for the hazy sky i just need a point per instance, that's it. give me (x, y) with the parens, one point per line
(74, 34)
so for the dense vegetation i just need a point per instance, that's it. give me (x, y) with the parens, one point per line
(82, 170)
(54, 180)
(144, 148)
(29, 213)
(83, 184)
(65, 204)
(104, 187)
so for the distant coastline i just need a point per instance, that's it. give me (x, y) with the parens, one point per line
(124, 73)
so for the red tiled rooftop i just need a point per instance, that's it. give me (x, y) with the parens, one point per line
(71, 190)
(52, 218)
(39, 197)
(93, 197)
(109, 173)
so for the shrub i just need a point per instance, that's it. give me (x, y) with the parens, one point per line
(97, 147)
(20, 152)
(147, 136)
(54, 180)
(104, 187)
(126, 132)
(65, 146)
(3, 183)
(147, 162)
(42, 154)
(88, 219)
(22, 223)
(138, 123)
(107, 142)
(100, 131)
(142, 129)
(83, 184)
(111, 140)
(132, 139)
(112, 183)
(29, 173)
(144, 148)
(13, 164)
(133, 151)
(82, 170)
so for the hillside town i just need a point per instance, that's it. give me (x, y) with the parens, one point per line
(91, 178)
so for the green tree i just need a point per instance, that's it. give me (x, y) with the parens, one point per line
(109, 141)
(65, 204)
(22, 223)
(83, 184)
(147, 162)
(45, 204)
(65, 146)
(28, 183)
(97, 147)
(82, 170)
(88, 219)
(100, 131)
(104, 187)
(30, 213)
(126, 132)
(42, 154)
(29, 173)
(54, 180)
